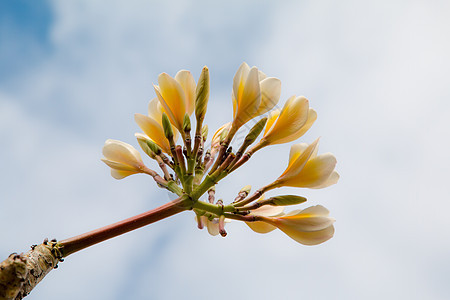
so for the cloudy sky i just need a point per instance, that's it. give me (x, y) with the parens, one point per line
(73, 73)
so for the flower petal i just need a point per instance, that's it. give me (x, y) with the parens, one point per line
(155, 110)
(296, 151)
(312, 117)
(119, 174)
(260, 227)
(271, 120)
(119, 166)
(267, 211)
(332, 179)
(121, 152)
(270, 94)
(296, 165)
(172, 98)
(249, 100)
(310, 238)
(212, 226)
(291, 119)
(314, 173)
(239, 81)
(153, 130)
(187, 82)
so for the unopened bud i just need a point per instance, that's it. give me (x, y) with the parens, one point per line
(283, 200)
(202, 95)
(246, 190)
(142, 140)
(168, 132)
(222, 231)
(186, 123)
(205, 132)
(255, 131)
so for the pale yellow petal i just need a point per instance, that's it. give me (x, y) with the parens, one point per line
(261, 75)
(270, 94)
(121, 152)
(155, 110)
(119, 174)
(248, 103)
(317, 210)
(187, 82)
(296, 166)
(305, 222)
(153, 130)
(260, 227)
(172, 99)
(332, 179)
(292, 117)
(314, 173)
(271, 120)
(312, 117)
(212, 226)
(310, 238)
(119, 166)
(296, 151)
(268, 211)
(215, 141)
(239, 80)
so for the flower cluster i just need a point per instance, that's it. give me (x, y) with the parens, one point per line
(191, 171)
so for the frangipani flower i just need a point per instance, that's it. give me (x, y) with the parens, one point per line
(123, 159)
(310, 226)
(177, 96)
(253, 94)
(291, 123)
(190, 169)
(307, 169)
(152, 125)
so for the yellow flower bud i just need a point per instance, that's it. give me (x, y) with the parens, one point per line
(217, 137)
(122, 158)
(291, 123)
(307, 169)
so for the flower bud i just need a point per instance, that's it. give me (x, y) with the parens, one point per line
(246, 189)
(202, 95)
(255, 131)
(291, 123)
(122, 158)
(205, 132)
(307, 169)
(283, 200)
(168, 132)
(186, 123)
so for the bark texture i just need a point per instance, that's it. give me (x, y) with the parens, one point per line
(20, 273)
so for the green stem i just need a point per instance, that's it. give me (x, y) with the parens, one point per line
(213, 208)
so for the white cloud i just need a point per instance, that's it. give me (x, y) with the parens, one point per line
(376, 74)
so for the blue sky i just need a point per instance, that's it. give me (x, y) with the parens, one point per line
(73, 73)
